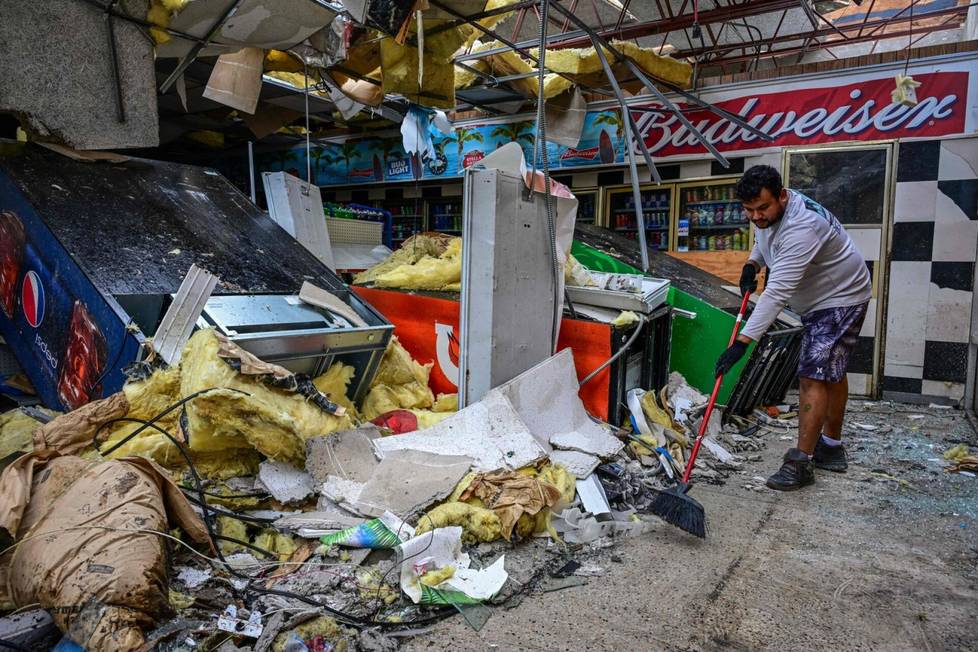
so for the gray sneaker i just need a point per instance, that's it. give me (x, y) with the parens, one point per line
(830, 458)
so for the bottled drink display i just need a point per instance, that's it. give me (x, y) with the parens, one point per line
(655, 211)
(715, 217)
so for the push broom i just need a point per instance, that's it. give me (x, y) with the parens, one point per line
(673, 505)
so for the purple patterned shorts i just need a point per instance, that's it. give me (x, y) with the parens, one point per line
(829, 338)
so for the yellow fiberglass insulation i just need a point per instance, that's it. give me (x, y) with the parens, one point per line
(443, 272)
(160, 13)
(400, 67)
(478, 523)
(445, 403)
(281, 544)
(585, 61)
(17, 431)
(335, 383)
(279, 61)
(428, 418)
(151, 396)
(414, 249)
(401, 383)
(245, 412)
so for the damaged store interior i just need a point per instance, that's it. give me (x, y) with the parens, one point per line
(339, 325)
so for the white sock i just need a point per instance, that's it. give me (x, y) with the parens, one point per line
(828, 441)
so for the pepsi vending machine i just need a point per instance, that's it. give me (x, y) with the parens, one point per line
(92, 252)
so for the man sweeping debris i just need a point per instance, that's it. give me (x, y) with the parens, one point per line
(814, 266)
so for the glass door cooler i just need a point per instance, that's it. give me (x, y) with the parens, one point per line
(445, 215)
(656, 204)
(711, 218)
(587, 205)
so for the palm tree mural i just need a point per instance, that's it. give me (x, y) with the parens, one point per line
(347, 152)
(613, 119)
(515, 132)
(321, 157)
(463, 136)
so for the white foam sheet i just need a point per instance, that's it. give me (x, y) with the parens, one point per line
(490, 432)
(545, 398)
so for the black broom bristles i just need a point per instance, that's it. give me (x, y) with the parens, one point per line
(676, 508)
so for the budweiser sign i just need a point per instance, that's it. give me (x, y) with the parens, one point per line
(582, 154)
(862, 111)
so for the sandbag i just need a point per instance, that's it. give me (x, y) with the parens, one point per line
(86, 548)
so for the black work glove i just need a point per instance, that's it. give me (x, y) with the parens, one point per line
(748, 279)
(730, 357)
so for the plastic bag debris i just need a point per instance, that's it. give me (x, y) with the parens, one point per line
(449, 578)
(384, 532)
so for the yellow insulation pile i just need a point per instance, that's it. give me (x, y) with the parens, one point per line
(400, 383)
(230, 426)
(17, 431)
(434, 262)
(582, 64)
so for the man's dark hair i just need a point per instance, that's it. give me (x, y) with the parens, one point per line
(756, 179)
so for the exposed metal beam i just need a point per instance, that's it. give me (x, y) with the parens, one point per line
(865, 38)
(600, 45)
(683, 21)
(824, 32)
(197, 47)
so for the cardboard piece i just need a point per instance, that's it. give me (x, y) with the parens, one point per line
(235, 80)
(268, 118)
(72, 432)
(316, 296)
(103, 576)
(565, 118)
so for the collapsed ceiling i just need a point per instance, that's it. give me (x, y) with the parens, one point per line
(219, 72)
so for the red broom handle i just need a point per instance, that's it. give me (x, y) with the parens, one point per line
(713, 396)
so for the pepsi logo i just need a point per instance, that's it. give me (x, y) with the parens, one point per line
(32, 299)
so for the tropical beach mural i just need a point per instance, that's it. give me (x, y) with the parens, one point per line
(375, 159)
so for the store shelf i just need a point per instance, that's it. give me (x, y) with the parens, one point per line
(718, 227)
(648, 228)
(713, 201)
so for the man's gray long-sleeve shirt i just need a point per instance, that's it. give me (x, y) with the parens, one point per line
(812, 264)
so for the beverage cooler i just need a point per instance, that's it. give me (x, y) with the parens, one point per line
(445, 215)
(587, 205)
(656, 205)
(711, 218)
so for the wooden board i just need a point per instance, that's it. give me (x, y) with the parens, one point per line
(725, 264)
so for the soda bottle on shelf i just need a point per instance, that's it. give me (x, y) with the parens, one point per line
(718, 214)
(682, 233)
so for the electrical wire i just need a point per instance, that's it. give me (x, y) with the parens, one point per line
(149, 424)
(620, 352)
(209, 511)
